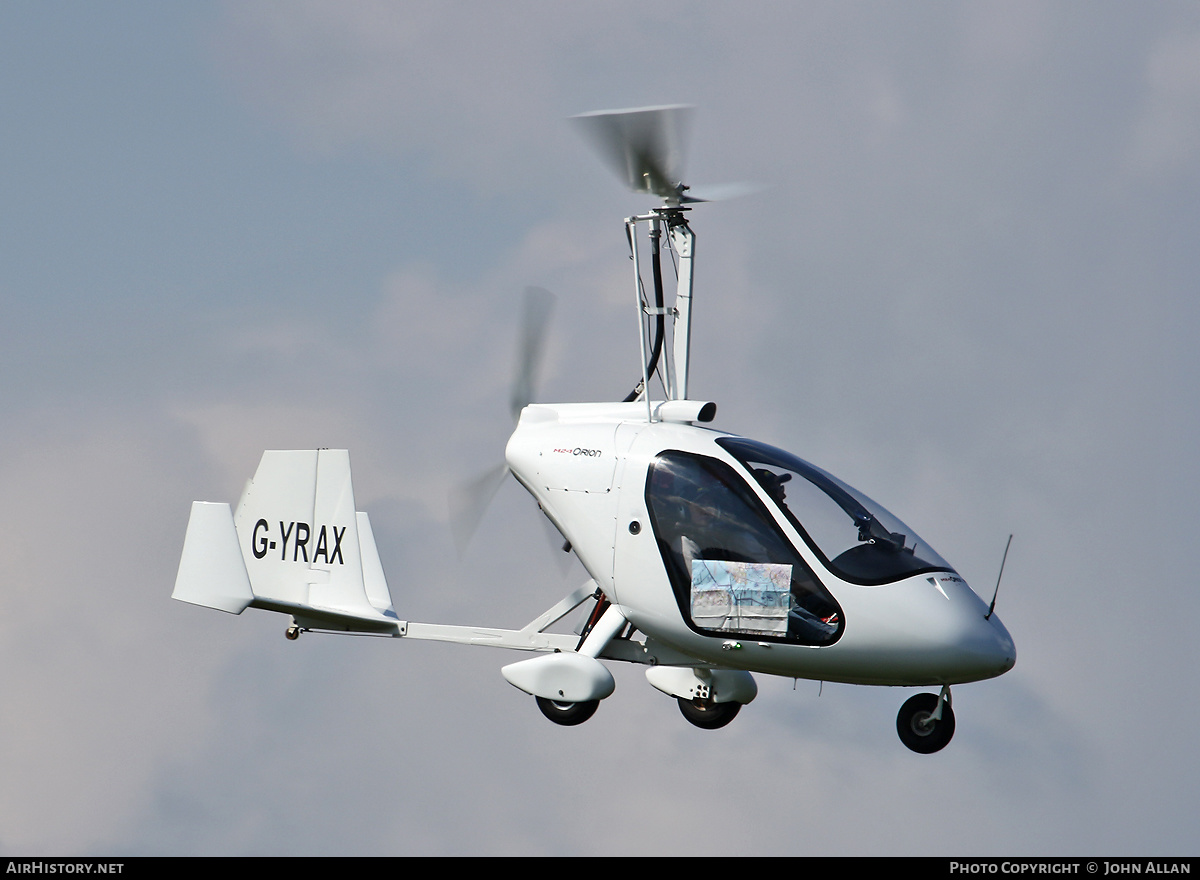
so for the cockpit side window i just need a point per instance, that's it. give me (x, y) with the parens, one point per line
(731, 567)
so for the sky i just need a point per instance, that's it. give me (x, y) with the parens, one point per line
(966, 284)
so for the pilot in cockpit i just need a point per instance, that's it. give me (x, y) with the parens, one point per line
(686, 514)
(772, 483)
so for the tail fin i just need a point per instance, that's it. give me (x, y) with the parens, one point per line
(295, 545)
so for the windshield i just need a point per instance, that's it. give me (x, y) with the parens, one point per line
(859, 540)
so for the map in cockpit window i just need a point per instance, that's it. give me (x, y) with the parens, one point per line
(742, 597)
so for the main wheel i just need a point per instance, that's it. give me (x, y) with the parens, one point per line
(706, 714)
(567, 714)
(917, 728)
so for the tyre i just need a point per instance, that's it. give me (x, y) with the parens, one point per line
(708, 715)
(567, 714)
(917, 728)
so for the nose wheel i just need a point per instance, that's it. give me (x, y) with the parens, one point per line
(926, 722)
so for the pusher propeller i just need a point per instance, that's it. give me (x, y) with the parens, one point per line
(468, 502)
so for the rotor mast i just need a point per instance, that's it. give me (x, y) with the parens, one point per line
(674, 365)
(683, 240)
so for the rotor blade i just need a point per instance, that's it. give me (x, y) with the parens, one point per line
(721, 192)
(469, 501)
(535, 318)
(644, 146)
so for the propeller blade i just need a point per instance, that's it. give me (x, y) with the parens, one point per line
(560, 548)
(644, 146)
(469, 501)
(535, 318)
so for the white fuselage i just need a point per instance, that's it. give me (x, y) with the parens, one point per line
(588, 466)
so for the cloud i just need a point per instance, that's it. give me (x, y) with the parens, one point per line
(1168, 135)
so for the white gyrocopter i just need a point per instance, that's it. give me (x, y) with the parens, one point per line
(710, 556)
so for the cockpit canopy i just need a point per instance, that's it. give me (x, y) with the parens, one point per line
(731, 565)
(856, 538)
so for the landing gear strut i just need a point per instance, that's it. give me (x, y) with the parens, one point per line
(926, 722)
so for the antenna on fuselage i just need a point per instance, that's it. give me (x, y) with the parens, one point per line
(992, 607)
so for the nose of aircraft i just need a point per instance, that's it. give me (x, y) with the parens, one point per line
(994, 647)
(980, 645)
(951, 633)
